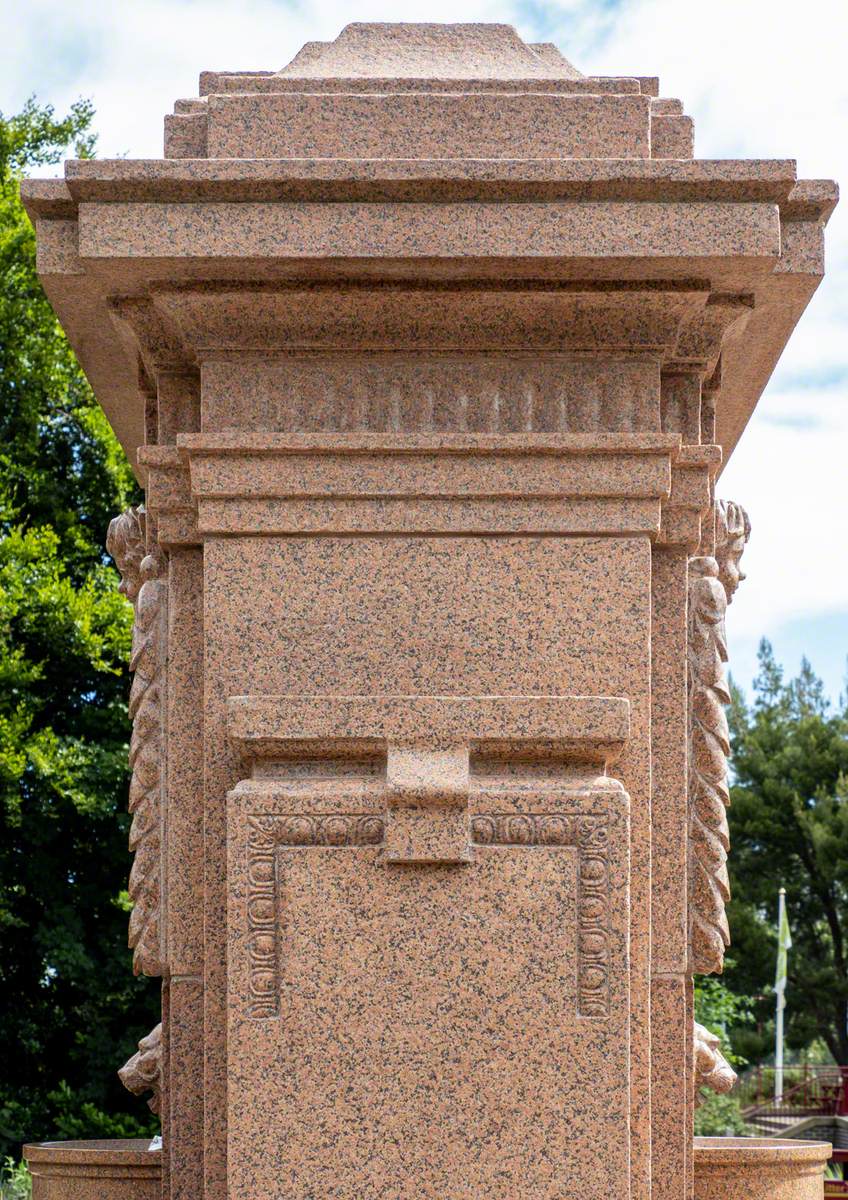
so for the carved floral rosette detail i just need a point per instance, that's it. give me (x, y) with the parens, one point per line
(143, 1072)
(711, 581)
(143, 583)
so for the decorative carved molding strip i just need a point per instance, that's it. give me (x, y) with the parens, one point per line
(520, 829)
(265, 834)
(143, 1072)
(590, 835)
(453, 392)
(586, 832)
(333, 829)
(263, 968)
(143, 584)
(711, 581)
(593, 912)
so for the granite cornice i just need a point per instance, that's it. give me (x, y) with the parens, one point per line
(781, 284)
(159, 342)
(238, 482)
(193, 180)
(811, 200)
(237, 442)
(666, 319)
(48, 198)
(216, 82)
(702, 336)
(214, 85)
(560, 237)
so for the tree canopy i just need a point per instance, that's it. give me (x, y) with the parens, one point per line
(789, 828)
(70, 1009)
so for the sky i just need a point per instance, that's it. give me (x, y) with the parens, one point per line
(762, 78)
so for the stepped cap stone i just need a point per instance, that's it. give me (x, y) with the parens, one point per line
(418, 50)
(419, 92)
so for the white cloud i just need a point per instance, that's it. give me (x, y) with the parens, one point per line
(762, 79)
(792, 480)
(134, 60)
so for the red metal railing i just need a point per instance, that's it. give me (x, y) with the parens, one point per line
(807, 1091)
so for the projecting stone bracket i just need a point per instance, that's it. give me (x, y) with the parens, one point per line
(426, 744)
(427, 804)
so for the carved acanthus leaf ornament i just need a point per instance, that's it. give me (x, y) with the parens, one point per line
(143, 583)
(712, 582)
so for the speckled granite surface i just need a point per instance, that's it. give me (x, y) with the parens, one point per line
(759, 1169)
(95, 1170)
(429, 349)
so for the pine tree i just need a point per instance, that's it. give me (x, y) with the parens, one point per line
(789, 827)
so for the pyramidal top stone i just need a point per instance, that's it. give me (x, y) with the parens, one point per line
(407, 50)
(426, 92)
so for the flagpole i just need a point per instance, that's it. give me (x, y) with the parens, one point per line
(781, 1001)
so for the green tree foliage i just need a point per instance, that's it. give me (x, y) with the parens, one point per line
(724, 1013)
(720, 1116)
(70, 1009)
(15, 1181)
(789, 827)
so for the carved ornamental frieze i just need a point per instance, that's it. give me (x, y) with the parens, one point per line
(712, 581)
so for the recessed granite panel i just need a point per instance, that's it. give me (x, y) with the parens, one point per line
(428, 1034)
(433, 617)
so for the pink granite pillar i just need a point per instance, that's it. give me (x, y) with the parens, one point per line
(429, 350)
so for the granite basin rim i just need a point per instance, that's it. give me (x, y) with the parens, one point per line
(758, 1152)
(93, 1152)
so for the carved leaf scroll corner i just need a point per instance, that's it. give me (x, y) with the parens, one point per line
(712, 582)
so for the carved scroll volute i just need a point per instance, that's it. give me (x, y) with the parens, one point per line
(712, 581)
(143, 583)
